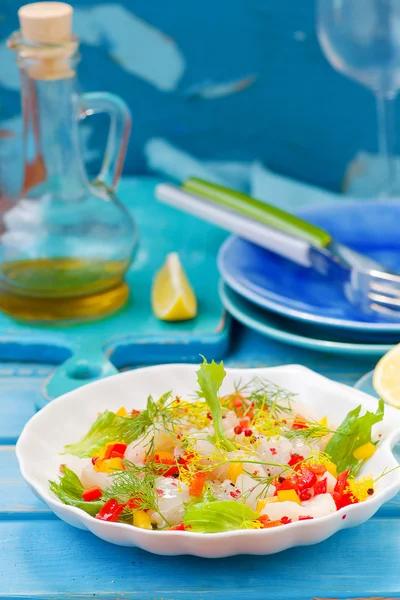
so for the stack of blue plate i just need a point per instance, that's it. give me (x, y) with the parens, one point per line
(296, 305)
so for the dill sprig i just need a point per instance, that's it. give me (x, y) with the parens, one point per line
(310, 433)
(385, 472)
(109, 427)
(265, 394)
(136, 483)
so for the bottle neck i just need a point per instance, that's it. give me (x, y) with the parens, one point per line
(51, 136)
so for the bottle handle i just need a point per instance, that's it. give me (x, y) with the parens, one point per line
(118, 136)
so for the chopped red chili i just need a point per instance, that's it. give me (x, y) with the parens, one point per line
(294, 459)
(111, 511)
(115, 451)
(93, 493)
(320, 487)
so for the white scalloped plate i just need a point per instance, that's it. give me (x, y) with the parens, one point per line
(64, 420)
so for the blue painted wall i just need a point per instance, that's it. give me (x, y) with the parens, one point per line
(224, 79)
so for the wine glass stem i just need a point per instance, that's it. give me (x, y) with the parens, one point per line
(385, 106)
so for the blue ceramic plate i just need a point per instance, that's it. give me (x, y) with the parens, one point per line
(291, 332)
(302, 294)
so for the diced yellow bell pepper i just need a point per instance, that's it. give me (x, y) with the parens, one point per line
(262, 503)
(288, 496)
(365, 451)
(331, 468)
(121, 412)
(363, 488)
(109, 465)
(235, 469)
(324, 422)
(141, 519)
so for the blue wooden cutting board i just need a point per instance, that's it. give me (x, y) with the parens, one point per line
(134, 335)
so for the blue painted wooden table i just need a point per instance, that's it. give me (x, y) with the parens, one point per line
(43, 558)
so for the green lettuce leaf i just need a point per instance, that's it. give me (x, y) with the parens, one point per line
(225, 515)
(354, 431)
(210, 377)
(69, 490)
(107, 428)
(110, 427)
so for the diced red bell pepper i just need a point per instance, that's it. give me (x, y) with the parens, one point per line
(245, 422)
(111, 511)
(266, 522)
(197, 484)
(294, 459)
(341, 493)
(342, 500)
(286, 484)
(299, 423)
(341, 483)
(305, 479)
(115, 451)
(179, 527)
(286, 520)
(185, 459)
(306, 495)
(317, 469)
(305, 517)
(135, 413)
(133, 504)
(93, 493)
(320, 487)
(167, 458)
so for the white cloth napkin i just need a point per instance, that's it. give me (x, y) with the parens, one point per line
(363, 178)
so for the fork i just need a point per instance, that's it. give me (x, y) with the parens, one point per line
(367, 284)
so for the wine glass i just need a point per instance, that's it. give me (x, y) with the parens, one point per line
(361, 39)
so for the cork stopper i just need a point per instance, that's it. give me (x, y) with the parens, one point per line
(48, 27)
(46, 22)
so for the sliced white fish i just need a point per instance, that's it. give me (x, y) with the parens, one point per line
(319, 506)
(90, 478)
(137, 450)
(230, 420)
(276, 510)
(171, 496)
(251, 490)
(330, 481)
(273, 450)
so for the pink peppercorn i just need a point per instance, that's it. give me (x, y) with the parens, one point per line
(238, 429)
(248, 432)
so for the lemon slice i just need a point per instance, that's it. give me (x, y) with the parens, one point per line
(172, 296)
(387, 377)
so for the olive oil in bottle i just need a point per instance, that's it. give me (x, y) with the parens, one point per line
(66, 243)
(62, 289)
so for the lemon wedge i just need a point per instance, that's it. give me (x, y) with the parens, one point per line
(386, 379)
(172, 297)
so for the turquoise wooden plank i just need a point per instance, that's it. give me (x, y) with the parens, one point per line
(135, 335)
(49, 559)
(20, 387)
(248, 350)
(16, 499)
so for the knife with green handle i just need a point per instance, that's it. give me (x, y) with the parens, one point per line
(367, 284)
(259, 211)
